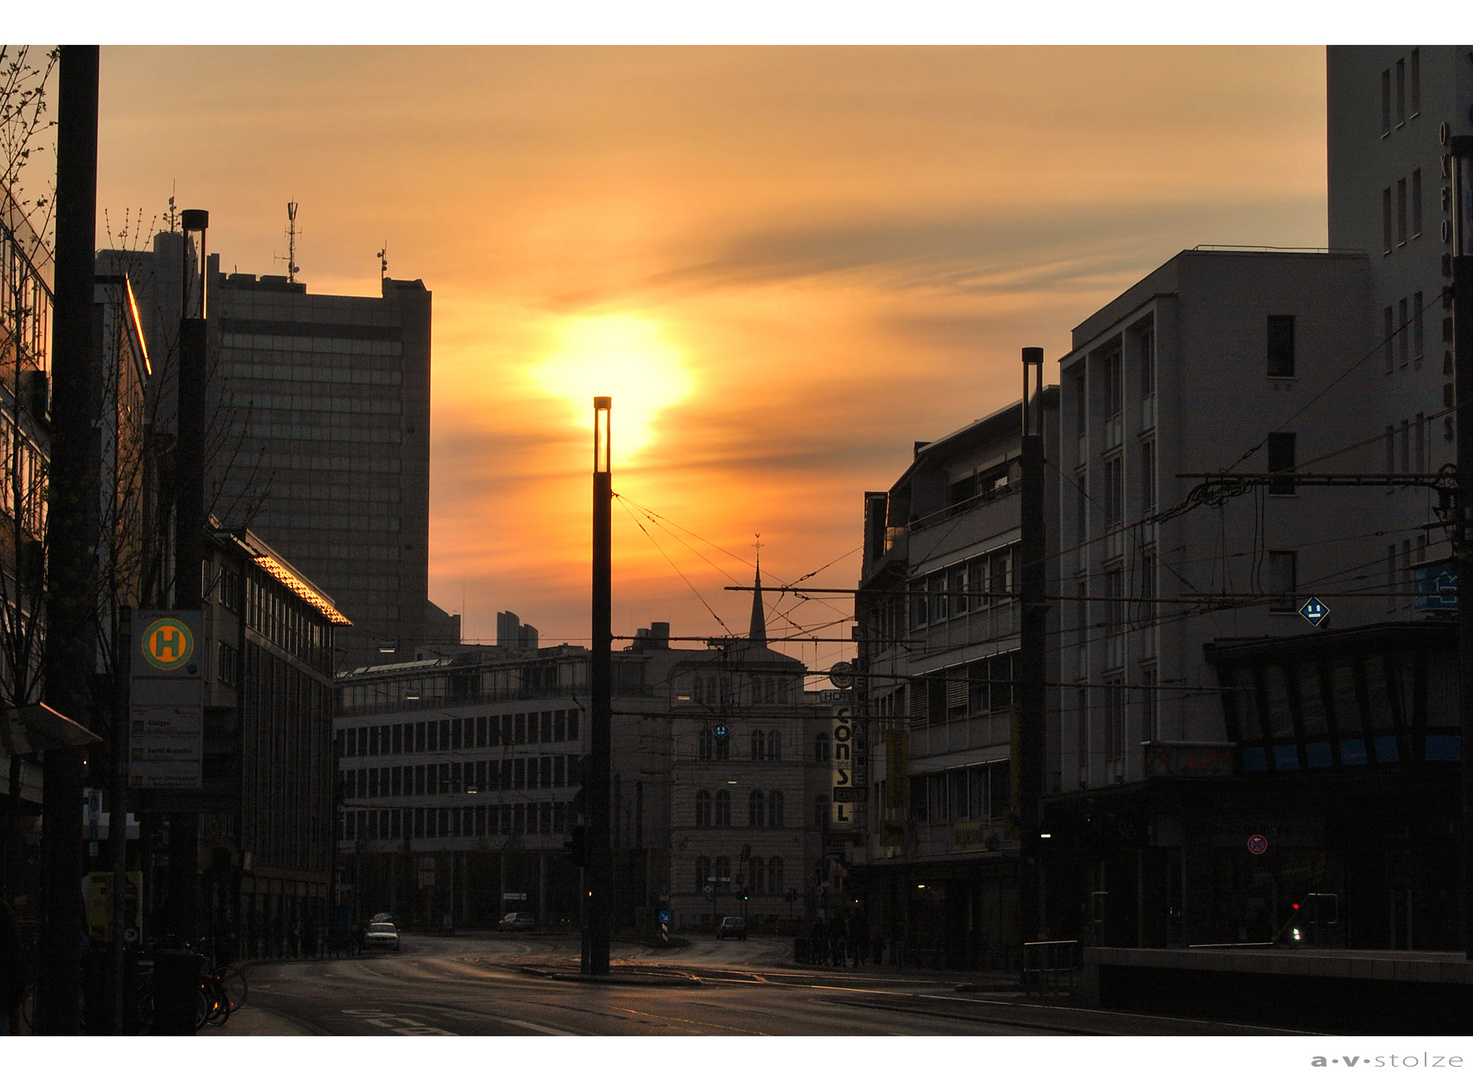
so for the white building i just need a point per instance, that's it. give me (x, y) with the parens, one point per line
(1392, 110)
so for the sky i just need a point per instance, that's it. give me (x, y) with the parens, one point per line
(785, 264)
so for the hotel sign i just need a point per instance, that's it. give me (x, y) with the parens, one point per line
(849, 779)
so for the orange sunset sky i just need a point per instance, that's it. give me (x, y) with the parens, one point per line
(785, 264)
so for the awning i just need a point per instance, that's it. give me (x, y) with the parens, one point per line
(28, 729)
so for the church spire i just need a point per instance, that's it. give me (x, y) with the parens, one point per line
(758, 630)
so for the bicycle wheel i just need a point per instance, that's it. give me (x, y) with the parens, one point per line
(232, 985)
(209, 1004)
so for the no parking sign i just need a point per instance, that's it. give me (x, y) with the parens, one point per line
(1257, 843)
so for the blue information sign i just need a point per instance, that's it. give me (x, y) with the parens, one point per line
(1436, 588)
(1313, 611)
(664, 915)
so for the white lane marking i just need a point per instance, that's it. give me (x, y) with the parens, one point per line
(399, 1024)
(536, 1027)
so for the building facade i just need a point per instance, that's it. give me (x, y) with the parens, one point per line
(319, 410)
(266, 855)
(1392, 112)
(939, 631)
(1155, 566)
(460, 783)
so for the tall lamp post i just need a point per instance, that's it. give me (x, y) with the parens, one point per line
(600, 858)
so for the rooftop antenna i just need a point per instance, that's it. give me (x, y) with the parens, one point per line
(173, 215)
(383, 263)
(292, 269)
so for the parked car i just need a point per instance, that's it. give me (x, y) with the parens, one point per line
(385, 916)
(517, 920)
(732, 926)
(381, 935)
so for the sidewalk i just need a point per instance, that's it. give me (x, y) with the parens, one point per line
(249, 1020)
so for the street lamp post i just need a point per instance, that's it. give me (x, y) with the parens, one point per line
(600, 860)
(1461, 148)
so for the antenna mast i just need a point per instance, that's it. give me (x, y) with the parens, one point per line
(291, 243)
(383, 263)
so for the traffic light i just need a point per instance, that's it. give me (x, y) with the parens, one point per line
(577, 845)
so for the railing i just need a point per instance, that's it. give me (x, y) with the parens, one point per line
(1049, 966)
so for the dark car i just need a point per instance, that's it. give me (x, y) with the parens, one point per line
(732, 926)
(517, 920)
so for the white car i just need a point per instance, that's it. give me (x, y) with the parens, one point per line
(381, 935)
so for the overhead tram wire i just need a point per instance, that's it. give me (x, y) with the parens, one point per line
(666, 524)
(677, 569)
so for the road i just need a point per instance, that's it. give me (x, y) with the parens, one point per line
(504, 985)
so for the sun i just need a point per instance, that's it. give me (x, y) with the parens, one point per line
(624, 357)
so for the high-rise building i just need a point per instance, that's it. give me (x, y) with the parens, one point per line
(319, 419)
(1392, 111)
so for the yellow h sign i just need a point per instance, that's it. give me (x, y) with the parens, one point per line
(167, 644)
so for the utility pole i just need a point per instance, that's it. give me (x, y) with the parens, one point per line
(1461, 148)
(600, 874)
(189, 452)
(71, 595)
(1032, 655)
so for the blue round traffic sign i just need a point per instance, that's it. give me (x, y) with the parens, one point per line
(664, 915)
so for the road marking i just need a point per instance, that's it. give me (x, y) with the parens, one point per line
(536, 1027)
(399, 1024)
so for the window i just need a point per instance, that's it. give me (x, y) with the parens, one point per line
(1386, 221)
(774, 746)
(1403, 342)
(697, 693)
(1401, 213)
(722, 872)
(1416, 82)
(1114, 397)
(1281, 460)
(1081, 411)
(775, 808)
(1386, 103)
(756, 809)
(1419, 339)
(1148, 363)
(1281, 346)
(1148, 702)
(1115, 716)
(775, 874)
(703, 808)
(1390, 449)
(1416, 203)
(723, 809)
(1401, 92)
(1419, 439)
(1388, 333)
(703, 873)
(1283, 577)
(1114, 492)
(758, 871)
(759, 741)
(821, 747)
(1002, 584)
(820, 811)
(1148, 476)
